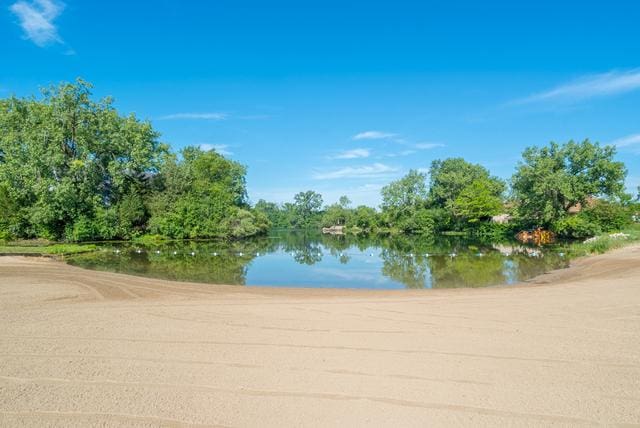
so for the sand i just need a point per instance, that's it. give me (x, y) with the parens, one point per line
(83, 348)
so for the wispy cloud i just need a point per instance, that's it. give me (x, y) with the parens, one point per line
(629, 140)
(629, 143)
(195, 116)
(223, 149)
(399, 154)
(598, 85)
(375, 170)
(427, 146)
(353, 154)
(373, 135)
(415, 148)
(36, 19)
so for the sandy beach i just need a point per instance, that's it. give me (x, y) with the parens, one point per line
(84, 348)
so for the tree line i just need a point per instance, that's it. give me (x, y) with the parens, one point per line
(75, 169)
(573, 189)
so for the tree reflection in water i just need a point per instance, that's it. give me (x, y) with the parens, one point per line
(413, 261)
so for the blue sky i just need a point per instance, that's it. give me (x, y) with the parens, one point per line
(343, 98)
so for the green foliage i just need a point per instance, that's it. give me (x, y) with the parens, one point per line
(337, 214)
(450, 177)
(478, 201)
(405, 194)
(55, 249)
(610, 216)
(576, 226)
(307, 207)
(72, 168)
(460, 193)
(604, 242)
(364, 218)
(422, 222)
(552, 179)
(276, 217)
(202, 195)
(66, 156)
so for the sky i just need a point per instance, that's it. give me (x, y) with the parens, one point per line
(344, 97)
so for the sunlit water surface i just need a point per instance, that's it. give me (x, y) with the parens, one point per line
(294, 259)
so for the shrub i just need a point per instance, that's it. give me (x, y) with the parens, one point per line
(82, 230)
(576, 226)
(608, 215)
(5, 236)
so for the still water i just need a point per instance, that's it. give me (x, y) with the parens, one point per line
(296, 259)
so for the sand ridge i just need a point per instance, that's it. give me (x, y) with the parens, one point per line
(82, 348)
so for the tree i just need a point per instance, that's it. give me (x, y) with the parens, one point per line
(405, 194)
(365, 218)
(550, 180)
(203, 195)
(307, 208)
(477, 202)
(449, 177)
(67, 160)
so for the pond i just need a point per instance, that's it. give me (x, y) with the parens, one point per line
(296, 259)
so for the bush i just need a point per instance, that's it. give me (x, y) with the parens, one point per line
(82, 230)
(5, 236)
(609, 216)
(242, 223)
(423, 222)
(576, 226)
(491, 230)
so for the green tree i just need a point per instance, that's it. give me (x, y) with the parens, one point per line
(66, 158)
(450, 177)
(365, 218)
(405, 194)
(550, 180)
(308, 206)
(203, 195)
(477, 202)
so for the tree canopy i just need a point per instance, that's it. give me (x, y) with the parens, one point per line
(550, 180)
(73, 168)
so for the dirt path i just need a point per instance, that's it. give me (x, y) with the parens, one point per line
(82, 348)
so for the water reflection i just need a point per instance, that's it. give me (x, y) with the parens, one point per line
(315, 260)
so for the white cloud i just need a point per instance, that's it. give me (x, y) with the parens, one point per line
(373, 135)
(428, 146)
(598, 85)
(629, 140)
(196, 116)
(399, 154)
(353, 154)
(414, 148)
(223, 149)
(36, 19)
(375, 170)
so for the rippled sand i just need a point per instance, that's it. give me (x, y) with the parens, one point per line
(82, 348)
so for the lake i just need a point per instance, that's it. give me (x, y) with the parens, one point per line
(297, 259)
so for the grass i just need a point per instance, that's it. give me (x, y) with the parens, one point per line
(605, 242)
(42, 248)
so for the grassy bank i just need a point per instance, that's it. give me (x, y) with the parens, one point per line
(605, 242)
(43, 248)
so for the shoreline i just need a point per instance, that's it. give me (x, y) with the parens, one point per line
(83, 347)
